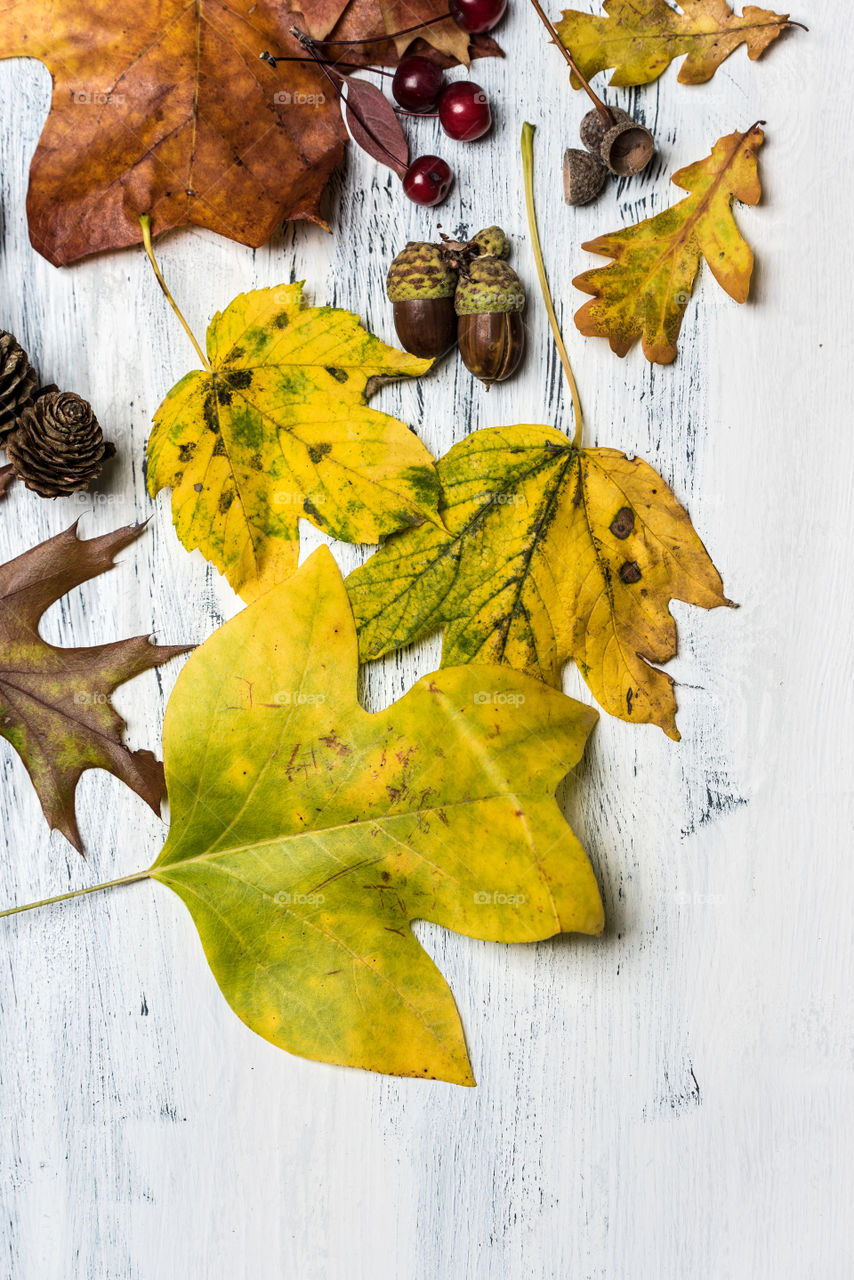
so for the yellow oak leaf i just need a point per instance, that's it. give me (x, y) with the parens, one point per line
(548, 553)
(278, 428)
(643, 293)
(640, 38)
(307, 834)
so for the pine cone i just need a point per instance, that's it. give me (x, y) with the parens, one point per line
(17, 380)
(57, 447)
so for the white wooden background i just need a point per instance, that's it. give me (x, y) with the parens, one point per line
(673, 1100)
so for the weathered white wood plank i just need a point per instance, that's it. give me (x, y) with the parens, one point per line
(673, 1100)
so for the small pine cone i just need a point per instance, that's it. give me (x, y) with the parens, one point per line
(58, 447)
(17, 381)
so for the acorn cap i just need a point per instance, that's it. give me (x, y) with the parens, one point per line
(420, 271)
(489, 287)
(492, 241)
(627, 148)
(583, 176)
(593, 127)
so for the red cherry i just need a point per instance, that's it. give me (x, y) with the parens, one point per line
(464, 111)
(477, 16)
(416, 84)
(428, 180)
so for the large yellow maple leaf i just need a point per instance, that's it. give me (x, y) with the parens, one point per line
(547, 553)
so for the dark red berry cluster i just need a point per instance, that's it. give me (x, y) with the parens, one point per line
(462, 107)
(463, 110)
(419, 89)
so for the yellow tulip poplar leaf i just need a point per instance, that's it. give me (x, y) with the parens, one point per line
(640, 38)
(644, 292)
(308, 834)
(548, 553)
(279, 428)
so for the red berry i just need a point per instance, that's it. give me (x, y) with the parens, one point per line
(416, 84)
(428, 180)
(477, 16)
(464, 111)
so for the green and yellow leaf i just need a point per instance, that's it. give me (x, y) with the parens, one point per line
(308, 834)
(644, 292)
(640, 38)
(548, 553)
(278, 429)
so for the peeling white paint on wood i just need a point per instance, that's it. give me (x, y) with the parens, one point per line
(671, 1101)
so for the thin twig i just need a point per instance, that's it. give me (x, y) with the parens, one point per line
(604, 111)
(391, 35)
(274, 58)
(340, 85)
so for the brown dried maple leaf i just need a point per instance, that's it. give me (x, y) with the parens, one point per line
(55, 705)
(168, 110)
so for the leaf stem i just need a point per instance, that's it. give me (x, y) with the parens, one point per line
(603, 109)
(145, 223)
(76, 893)
(528, 168)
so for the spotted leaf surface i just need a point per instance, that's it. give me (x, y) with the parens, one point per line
(308, 834)
(55, 706)
(644, 292)
(640, 38)
(279, 428)
(549, 553)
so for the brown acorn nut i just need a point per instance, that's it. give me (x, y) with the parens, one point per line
(421, 286)
(489, 302)
(583, 176)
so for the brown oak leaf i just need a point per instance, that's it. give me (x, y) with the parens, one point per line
(55, 705)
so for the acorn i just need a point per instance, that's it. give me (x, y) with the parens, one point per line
(625, 147)
(583, 176)
(492, 241)
(421, 285)
(489, 302)
(593, 127)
